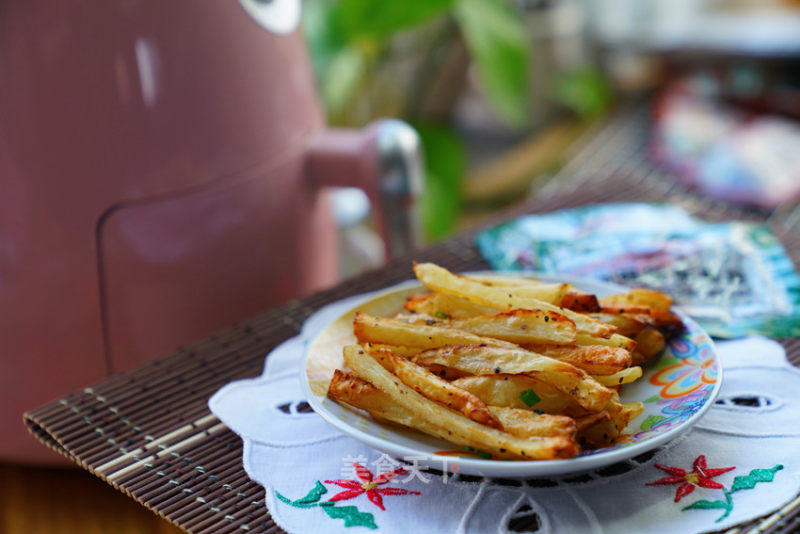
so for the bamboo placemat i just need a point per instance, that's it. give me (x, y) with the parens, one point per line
(149, 433)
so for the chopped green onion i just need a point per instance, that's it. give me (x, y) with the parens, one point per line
(529, 397)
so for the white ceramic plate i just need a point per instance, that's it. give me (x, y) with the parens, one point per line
(676, 391)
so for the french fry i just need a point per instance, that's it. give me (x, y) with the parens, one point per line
(580, 301)
(628, 324)
(437, 389)
(347, 388)
(517, 326)
(525, 423)
(369, 329)
(666, 320)
(521, 392)
(400, 350)
(596, 430)
(616, 340)
(646, 298)
(548, 292)
(483, 360)
(446, 306)
(649, 343)
(626, 376)
(447, 373)
(430, 417)
(648, 316)
(521, 326)
(622, 414)
(440, 279)
(594, 359)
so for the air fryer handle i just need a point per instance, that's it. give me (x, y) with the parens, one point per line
(385, 161)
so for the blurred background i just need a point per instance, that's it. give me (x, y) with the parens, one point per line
(496, 90)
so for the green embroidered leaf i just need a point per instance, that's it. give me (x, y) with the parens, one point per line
(313, 495)
(706, 505)
(529, 397)
(309, 501)
(651, 421)
(654, 398)
(756, 475)
(726, 505)
(282, 498)
(352, 516)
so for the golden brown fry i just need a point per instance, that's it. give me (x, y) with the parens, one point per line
(434, 419)
(446, 306)
(347, 388)
(594, 359)
(393, 332)
(517, 326)
(521, 326)
(431, 386)
(626, 376)
(649, 343)
(406, 352)
(510, 390)
(648, 316)
(580, 301)
(616, 340)
(440, 279)
(622, 414)
(628, 324)
(646, 298)
(597, 430)
(549, 292)
(525, 423)
(666, 320)
(483, 360)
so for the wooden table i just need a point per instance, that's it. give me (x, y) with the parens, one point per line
(149, 433)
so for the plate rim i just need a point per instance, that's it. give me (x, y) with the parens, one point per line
(508, 468)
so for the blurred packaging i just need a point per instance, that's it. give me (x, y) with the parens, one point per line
(734, 278)
(724, 151)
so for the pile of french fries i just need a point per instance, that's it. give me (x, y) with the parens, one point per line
(513, 367)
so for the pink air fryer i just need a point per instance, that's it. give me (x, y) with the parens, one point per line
(162, 175)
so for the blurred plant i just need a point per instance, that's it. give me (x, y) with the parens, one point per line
(385, 58)
(585, 91)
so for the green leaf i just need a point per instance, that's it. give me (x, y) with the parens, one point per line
(726, 505)
(341, 78)
(352, 516)
(654, 398)
(371, 19)
(707, 505)
(584, 91)
(496, 37)
(483, 454)
(529, 397)
(445, 163)
(651, 421)
(313, 495)
(324, 36)
(754, 477)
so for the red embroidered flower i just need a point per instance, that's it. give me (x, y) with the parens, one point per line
(368, 485)
(700, 476)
